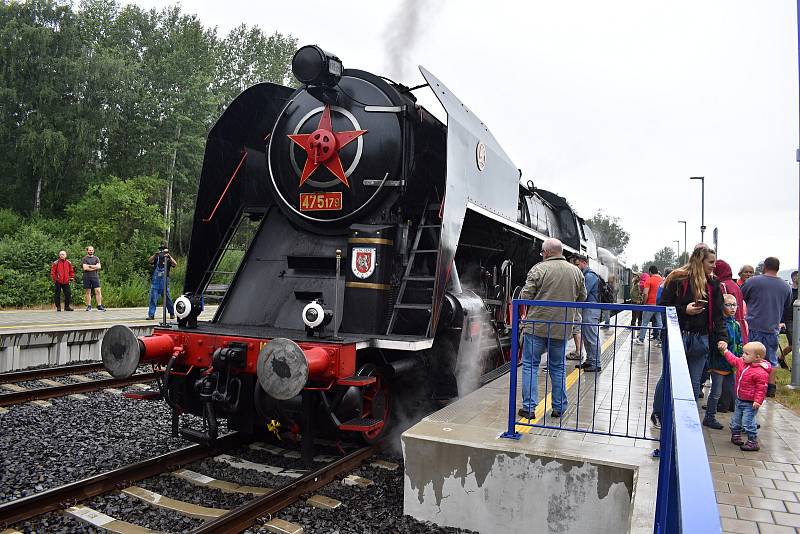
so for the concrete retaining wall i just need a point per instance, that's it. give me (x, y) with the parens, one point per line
(21, 350)
(492, 490)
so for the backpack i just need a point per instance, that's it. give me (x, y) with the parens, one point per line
(604, 292)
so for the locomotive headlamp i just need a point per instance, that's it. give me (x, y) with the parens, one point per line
(313, 314)
(312, 65)
(183, 307)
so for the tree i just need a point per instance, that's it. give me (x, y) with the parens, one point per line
(609, 232)
(664, 259)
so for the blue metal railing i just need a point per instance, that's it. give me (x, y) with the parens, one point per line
(685, 500)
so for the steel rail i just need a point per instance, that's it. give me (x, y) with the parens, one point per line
(54, 499)
(244, 516)
(48, 372)
(18, 397)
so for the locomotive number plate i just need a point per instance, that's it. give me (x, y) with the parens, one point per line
(320, 201)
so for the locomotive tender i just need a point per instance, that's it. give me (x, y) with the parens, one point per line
(389, 247)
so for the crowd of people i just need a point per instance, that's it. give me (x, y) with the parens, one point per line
(729, 329)
(62, 273)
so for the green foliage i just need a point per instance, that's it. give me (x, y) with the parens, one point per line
(664, 259)
(609, 232)
(9, 221)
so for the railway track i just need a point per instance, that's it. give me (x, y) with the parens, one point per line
(49, 372)
(28, 395)
(56, 498)
(222, 521)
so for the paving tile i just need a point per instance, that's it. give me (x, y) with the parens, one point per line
(721, 487)
(767, 504)
(751, 462)
(715, 468)
(738, 469)
(754, 514)
(745, 490)
(793, 507)
(739, 526)
(786, 485)
(768, 473)
(766, 528)
(729, 478)
(738, 500)
(776, 466)
(794, 477)
(758, 482)
(790, 520)
(727, 510)
(779, 494)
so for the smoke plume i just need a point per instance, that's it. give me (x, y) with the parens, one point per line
(403, 31)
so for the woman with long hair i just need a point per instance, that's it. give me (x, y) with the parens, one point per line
(698, 300)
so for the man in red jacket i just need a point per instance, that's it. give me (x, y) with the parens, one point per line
(63, 274)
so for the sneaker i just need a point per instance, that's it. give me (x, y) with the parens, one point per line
(771, 390)
(655, 420)
(68, 309)
(150, 317)
(751, 445)
(592, 369)
(637, 341)
(172, 317)
(88, 308)
(737, 439)
(101, 308)
(555, 414)
(525, 413)
(712, 423)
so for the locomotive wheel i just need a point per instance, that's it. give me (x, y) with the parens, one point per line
(376, 403)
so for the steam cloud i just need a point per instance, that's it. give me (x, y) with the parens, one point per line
(403, 30)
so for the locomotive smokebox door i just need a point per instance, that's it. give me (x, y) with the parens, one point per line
(368, 277)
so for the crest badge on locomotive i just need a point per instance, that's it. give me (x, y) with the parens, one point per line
(363, 262)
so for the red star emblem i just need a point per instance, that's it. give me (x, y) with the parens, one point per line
(322, 147)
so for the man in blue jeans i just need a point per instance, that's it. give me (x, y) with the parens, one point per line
(552, 279)
(162, 262)
(591, 316)
(767, 297)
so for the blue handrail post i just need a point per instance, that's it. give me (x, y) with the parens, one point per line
(511, 432)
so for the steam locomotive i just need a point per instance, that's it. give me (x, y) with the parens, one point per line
(387, 251)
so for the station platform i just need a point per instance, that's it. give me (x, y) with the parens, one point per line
(758, 492)
(461, 473)
(46, 337)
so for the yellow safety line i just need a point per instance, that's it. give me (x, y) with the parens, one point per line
(546, 403)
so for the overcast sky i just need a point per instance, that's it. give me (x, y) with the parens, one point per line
(612, 104)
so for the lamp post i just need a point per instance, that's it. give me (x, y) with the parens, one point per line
(678, 249)
(702, 206)
(685, 250)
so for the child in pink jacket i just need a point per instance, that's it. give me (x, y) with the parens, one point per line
(752, 377)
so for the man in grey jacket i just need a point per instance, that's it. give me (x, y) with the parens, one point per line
(552, 279)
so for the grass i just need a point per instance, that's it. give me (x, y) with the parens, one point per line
(788, 397)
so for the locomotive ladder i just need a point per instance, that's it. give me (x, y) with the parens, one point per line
(420, 282)
(218, 291)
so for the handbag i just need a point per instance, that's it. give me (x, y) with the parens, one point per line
(695, 344)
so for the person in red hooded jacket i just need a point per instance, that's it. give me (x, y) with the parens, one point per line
(724, 274)
(63, 274)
